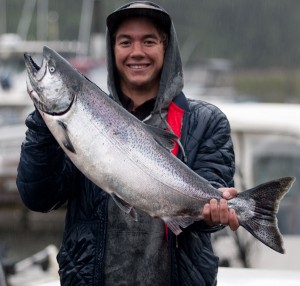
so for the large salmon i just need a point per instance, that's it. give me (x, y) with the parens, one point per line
(131, 160)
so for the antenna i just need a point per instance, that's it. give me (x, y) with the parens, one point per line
(85, 24)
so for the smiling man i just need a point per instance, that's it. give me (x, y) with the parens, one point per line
(139, 56)
(102, 245)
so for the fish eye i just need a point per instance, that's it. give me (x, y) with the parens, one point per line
(52, 69)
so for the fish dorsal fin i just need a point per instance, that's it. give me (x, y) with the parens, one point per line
(125, 207)
(165, 138)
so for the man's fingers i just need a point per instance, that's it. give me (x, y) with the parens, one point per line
(233, 220)
(206, 214)
(214, 211)
(229, 193)
(223, 212)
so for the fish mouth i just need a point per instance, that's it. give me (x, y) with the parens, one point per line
(31, 78)
(35, 74)
(31, 65)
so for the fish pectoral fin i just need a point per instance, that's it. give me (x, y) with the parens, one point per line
(65, 138)
(165, 138)
(125, 207)
(175, 223)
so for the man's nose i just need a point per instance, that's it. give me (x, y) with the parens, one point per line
(137, 48)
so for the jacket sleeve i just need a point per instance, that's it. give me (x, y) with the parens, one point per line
(210, 151)
(43, 172)
(212, 154)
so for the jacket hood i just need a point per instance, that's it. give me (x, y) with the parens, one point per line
(171, 82)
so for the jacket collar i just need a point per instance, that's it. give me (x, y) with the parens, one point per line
(181, 101)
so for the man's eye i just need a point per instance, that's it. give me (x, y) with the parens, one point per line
(124, 43)
(149, 43)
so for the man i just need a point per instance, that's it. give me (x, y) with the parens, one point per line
(101, 244)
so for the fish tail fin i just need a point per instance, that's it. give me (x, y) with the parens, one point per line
(260, 219)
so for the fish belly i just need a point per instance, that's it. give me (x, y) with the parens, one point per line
(118, 168)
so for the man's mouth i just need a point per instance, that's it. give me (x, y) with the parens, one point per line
(137, 67)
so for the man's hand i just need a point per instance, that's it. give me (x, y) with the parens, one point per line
(216, 213)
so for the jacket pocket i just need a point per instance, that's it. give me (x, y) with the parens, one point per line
(78, 255)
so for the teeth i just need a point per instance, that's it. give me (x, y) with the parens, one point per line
(137, 66)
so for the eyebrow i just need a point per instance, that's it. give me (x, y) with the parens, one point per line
(154, 36)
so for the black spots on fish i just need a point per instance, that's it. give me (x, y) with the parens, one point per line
(65, 138)
(117, 133)
(269, 194)
(185, 212)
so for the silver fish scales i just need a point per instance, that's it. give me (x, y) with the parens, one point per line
(131, 160)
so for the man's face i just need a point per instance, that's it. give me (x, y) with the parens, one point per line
(139, 54)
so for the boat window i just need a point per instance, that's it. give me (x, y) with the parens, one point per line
(277, 160)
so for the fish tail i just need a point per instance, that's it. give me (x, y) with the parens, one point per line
(262, 204)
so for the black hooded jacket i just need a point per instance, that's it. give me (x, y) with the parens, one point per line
(47, 179)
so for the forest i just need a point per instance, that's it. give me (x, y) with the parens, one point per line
(254, 35)
(251, 33)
